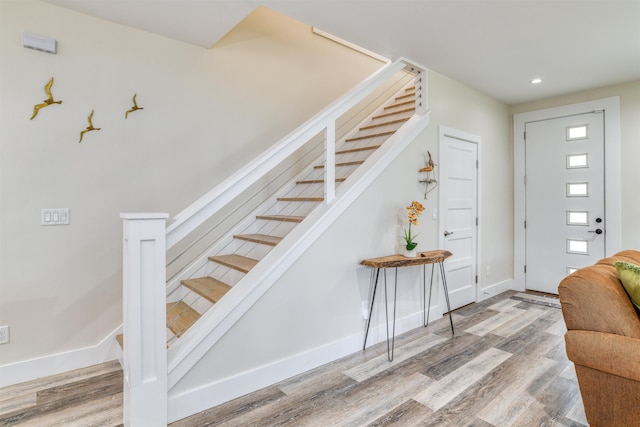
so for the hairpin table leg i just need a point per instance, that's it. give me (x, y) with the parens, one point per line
(446, 295)
(373, 285)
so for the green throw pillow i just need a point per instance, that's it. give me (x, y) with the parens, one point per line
(630, 278)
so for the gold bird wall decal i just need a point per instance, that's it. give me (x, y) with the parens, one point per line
(89, 128)
(134, 108)
(46, 102)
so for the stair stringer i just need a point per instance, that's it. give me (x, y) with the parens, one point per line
(212, 326)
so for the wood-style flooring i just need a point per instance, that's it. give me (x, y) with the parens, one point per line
(506, 366)
(84, 397)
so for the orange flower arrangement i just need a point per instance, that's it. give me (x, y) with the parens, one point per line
(413, 212)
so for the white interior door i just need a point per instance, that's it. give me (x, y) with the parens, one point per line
(459, 207)
(565, 200)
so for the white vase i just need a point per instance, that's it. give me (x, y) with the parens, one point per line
(410, 254)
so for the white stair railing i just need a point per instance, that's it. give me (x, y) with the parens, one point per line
(194, 215)
(147, 238)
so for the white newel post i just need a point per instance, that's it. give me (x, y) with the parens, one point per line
(144, 313)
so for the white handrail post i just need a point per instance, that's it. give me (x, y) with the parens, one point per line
(144, 313)
(330, 161)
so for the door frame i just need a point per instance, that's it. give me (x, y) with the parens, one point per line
(612, 160)
(444, 132)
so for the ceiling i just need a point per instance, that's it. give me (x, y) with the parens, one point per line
(495, 46)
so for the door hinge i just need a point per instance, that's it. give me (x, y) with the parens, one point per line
(476, 164)
(524, 136)
(476, 221)
(525, 269)
(524, 179)
(476, 278)
(525, 224)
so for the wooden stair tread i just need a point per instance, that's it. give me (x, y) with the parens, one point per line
(180, 317)
(390, 122)
(406, 95)
(318, 181)
(399, 104)
(356, 150)
(301, 199)
(259, 238)
(356, 162)
(373, 135)
(207, 287)
(392, 113)
(283, 218)
(237, 262)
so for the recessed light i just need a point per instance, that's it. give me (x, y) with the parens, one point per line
(535, 81)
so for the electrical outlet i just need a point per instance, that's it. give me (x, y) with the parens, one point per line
(4, 334)
(365, 310)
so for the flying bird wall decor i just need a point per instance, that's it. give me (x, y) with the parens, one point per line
(134, 108)
(46, 102)
(89, 128)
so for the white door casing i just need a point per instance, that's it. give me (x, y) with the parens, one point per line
(611, 116)
(565, 223)
(458, 201)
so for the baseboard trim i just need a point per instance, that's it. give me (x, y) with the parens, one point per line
(53, 364)
(186, 403)
(495, 289)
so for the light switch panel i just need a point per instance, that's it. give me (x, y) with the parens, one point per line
(55, 216)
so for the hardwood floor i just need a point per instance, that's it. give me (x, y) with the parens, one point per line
(506, 366)
(84, 397)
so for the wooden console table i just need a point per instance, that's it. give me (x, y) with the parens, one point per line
(396, 261)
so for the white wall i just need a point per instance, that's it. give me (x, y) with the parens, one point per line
(313, 313)
(629, 94)
(206, 112)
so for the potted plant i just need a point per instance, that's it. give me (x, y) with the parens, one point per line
(413, 213)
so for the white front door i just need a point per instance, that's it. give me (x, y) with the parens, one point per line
(565, 197)
(459, 206)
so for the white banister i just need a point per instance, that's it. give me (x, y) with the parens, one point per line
(144, 313)
(202, 209)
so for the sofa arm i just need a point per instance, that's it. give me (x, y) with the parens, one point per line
(593, 299)
(615, 354)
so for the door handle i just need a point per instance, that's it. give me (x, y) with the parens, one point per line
(597, 231)
(447, 233)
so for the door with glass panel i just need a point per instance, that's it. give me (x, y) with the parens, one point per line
(565, 223)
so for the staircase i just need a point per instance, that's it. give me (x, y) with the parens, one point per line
(270, 228)
(200, 293)
(209, 292)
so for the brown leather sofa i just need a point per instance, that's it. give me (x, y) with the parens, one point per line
(603, 341)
